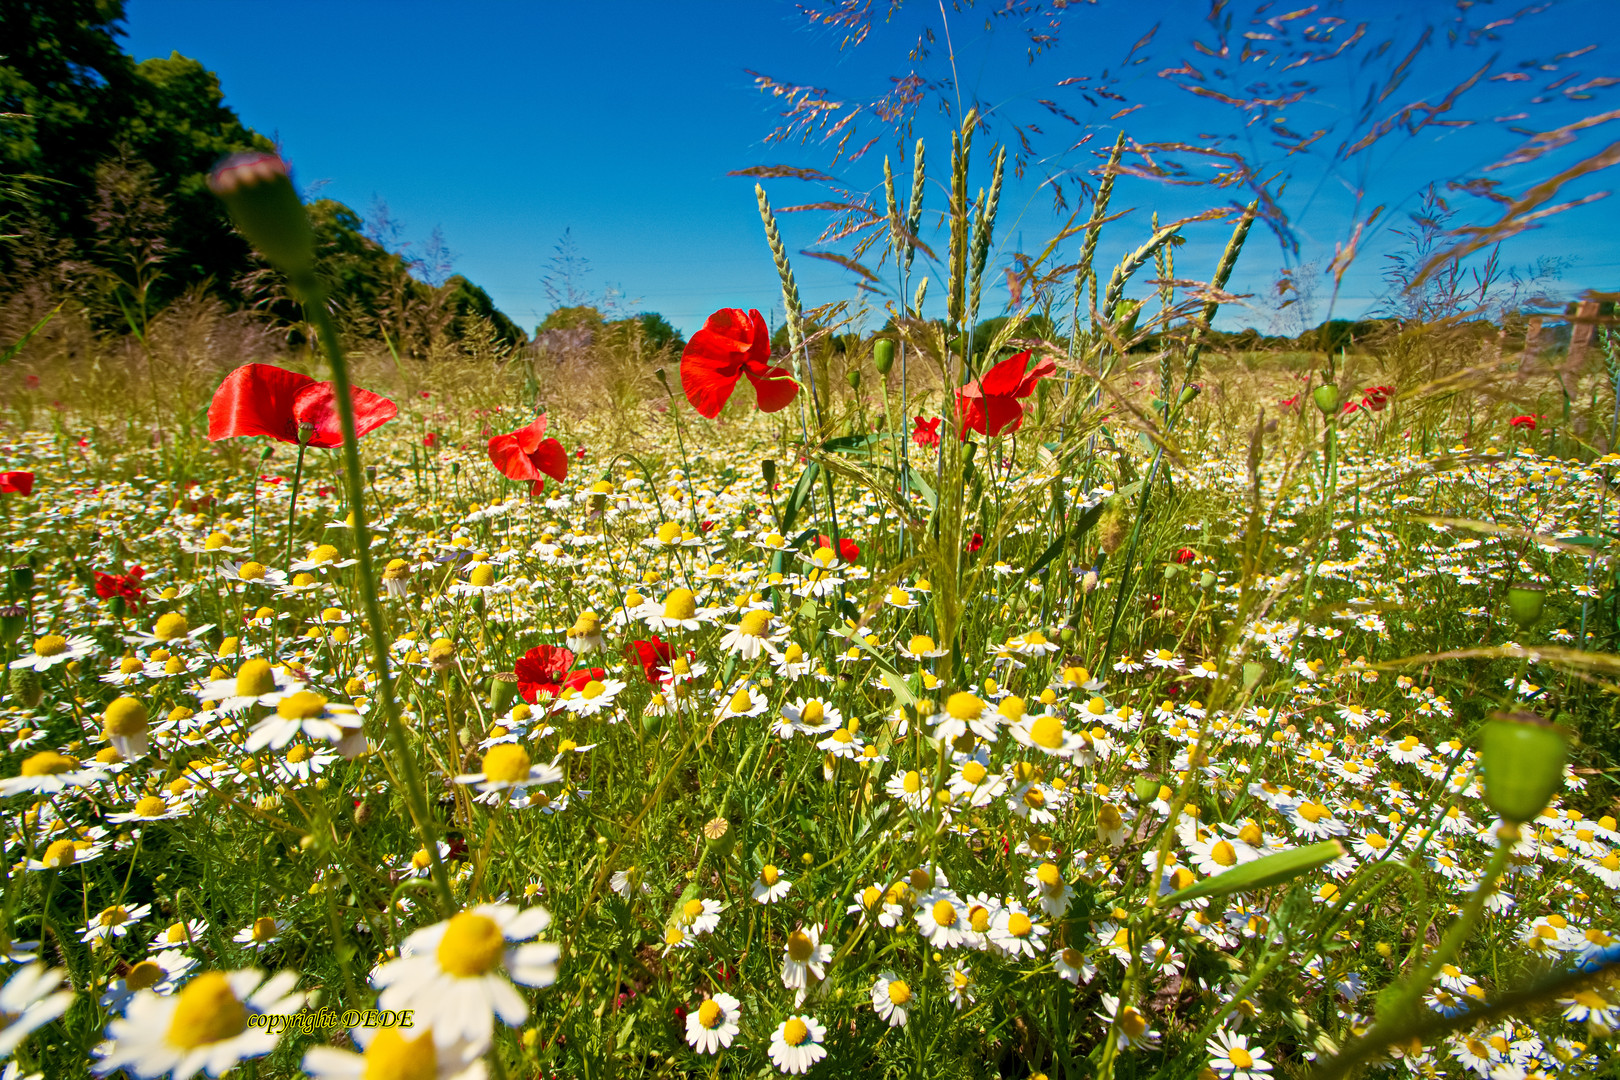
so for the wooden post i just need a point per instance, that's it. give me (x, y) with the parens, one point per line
(1582, 330)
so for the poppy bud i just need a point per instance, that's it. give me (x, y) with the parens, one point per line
(257, 190)
(1326, 397)
(25, 686)
(12, 620)
(371, 474)
(1252, 672)
(767, 469)
(1170, 571)
(267, 453)
(1112, 527)
(1206, 580)
(853, 378)
(1522, 758)
(1525, 603)
(502, 688)
(365, 812)
(651, 722)
(883, 355)
(118, 607)
(1189, 394)
(1146, 788)
(306, 432)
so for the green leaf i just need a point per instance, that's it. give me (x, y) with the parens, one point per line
(923, 488)
(13, 350)
(1085, 522)
(1263, 872)
(800, 496)
(850, 444)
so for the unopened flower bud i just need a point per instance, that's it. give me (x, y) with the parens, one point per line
(1146, 789)
(1206, 580)
(767, 469)
(1522, 758)
(883, 355)
(1525, 603)
(1189, 394)
(257, 190)
(1112, 526)
(23, 578)
(13, 618)
(1326, 398)
(853, 378)
(1252, 673)
(26, 687)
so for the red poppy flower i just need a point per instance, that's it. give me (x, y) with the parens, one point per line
(542, 669)
(1527, 422)
(652, 655)
(975, 542)
(127, 586)
(1377, 397)
(261, 399)
(848, 550)
(730, 345)
(1185, 555)
(990, 405)
(17, 483)
(525, 454)
(1288, 403)
(926, 433)
(430, 440)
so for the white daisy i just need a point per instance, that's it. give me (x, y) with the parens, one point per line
(796, 1044)
(770, 886)
(804, 955)
(891, 997)
(453, 973)
(203, 1028)
(713, 1024)
(391, 1052)
(27, 1002)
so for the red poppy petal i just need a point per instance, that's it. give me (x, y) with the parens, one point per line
(21, 483)
(1002, 414)
(550, 458)
(708, 387)
(773, 386)
(1035, 375)
(528, 438)
(317, 404)
(510, 459)
(1005, 377)
(759, 347)
(256, 399)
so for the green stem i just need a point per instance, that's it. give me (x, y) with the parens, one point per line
(292, 505)
(416, 800)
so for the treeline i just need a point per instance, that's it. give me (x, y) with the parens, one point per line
(103, 195)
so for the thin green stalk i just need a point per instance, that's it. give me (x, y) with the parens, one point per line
(316, 309)
(304, 432)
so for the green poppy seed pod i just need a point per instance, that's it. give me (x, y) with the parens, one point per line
(502, 689)
(267, 453)
(767, 470)
(1206, 580)
(1112, 526)
(720, 836)
(118, 607)
(1146, 789)
(651, 722)
(1066, 635)
(883, 355)
(1252, 672)
(26, 687)
(23, 578)
(1326, 397)
(13, 618)
(853, 378)
(1261, 873)
(365, 813)
(455, 468)
(1525, 603)
(1170, 570)
(257, 190)
(1522, 758)
(1189, 394)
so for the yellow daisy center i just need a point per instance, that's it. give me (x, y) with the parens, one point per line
(1018, 924)
(299, 754)
(754, 623)
(48, 763)
(391, 1056)
(922, 643)
(973, 772)
(151, 806)
(303, 705)
(964, 706)
(912, 782)
(740, 702)
(1013, 708)
(206, 1011)
(709, 1014)
(254, 677)
(325, 553)
(899, 992)
(61, 853)
(944, 913)
(1240, 1057)
(144, 975)
(1224, 853)
(507, 763)
(680, 604)
(251, 571)
(171, 626)
(1049, 876)
(800, 947)
(472, 945)
(1046, 731)
(794, 1032)
(1132, 1023)
(50, 645)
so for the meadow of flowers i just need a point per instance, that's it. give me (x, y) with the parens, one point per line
(974, 739)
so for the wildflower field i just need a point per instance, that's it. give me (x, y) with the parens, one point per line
(1057, 711)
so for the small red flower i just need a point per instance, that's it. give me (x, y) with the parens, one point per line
(127, 586)
(430, 440)
(262, 399)
(1288, 403)
(652, 655)
(31, 381)
(848, 550)
(975, 542)
(1185, 555)
(525, 454)
(730, 345)
(926, 433)
(1378, 397)
(990, 405)
(542, 668)
(17, 483)
(1527, 422)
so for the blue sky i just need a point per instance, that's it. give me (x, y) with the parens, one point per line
(505, 123)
